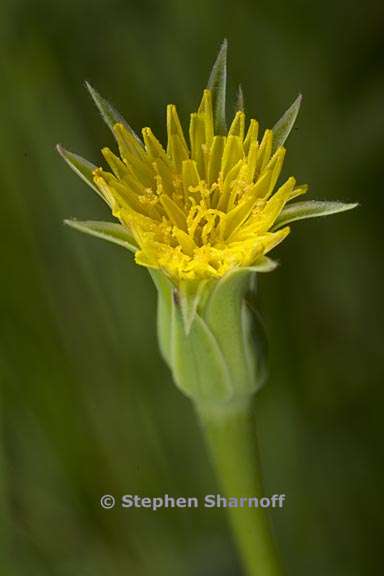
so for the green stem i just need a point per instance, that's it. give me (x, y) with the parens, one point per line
(231, 438)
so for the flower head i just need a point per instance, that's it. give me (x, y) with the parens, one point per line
(201, 208)
(203, 205)
(201, 214)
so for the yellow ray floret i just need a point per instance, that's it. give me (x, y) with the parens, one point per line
(198, 210)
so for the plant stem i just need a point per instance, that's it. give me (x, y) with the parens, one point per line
(231, 437)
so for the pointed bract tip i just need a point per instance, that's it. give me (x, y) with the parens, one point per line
(217, 83)
(283, 127)
(96, 97)
(64, 153)
(109, 113)
(240, 99)
(100, 102)
(60, 149)
(352, 205)
(89, 86)
(298, 102)
(220, 64)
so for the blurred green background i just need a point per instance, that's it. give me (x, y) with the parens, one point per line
(87, 406)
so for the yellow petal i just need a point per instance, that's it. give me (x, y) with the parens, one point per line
(235, 218)
(227, 185)
(265, 151)
(206, 114)
(233, 152)
(237, 126)
(174, 213)
(185, 241)
(215, 158)
(272, 239)
(251, 136)
(134, 155)
(153, 147)
(197, 138)
(177, 146)
(191, 176)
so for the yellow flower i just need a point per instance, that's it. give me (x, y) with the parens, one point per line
(200, 208)
(201, 214)
(203, 206)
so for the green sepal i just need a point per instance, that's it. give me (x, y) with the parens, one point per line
(222, 355)
(198, 365)
(310, 209)
(110, 231)
(283, 127)
(80, 166)
(109, 113)
(217, 83)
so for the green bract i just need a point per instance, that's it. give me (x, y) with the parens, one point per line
(218, 355)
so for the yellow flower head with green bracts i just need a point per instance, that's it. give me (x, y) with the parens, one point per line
(205, 204)
(201, 208)
(201, 214)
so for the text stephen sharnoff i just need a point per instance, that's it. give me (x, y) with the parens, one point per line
(208, 501)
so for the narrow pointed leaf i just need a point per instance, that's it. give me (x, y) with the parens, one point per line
(110, 231)
(80, 166)
(217, 83)
(110, 115)
(312, 209)
(283, 127)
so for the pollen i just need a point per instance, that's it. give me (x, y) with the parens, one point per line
(204, 205)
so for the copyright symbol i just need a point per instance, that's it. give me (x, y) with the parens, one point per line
(107, 502)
